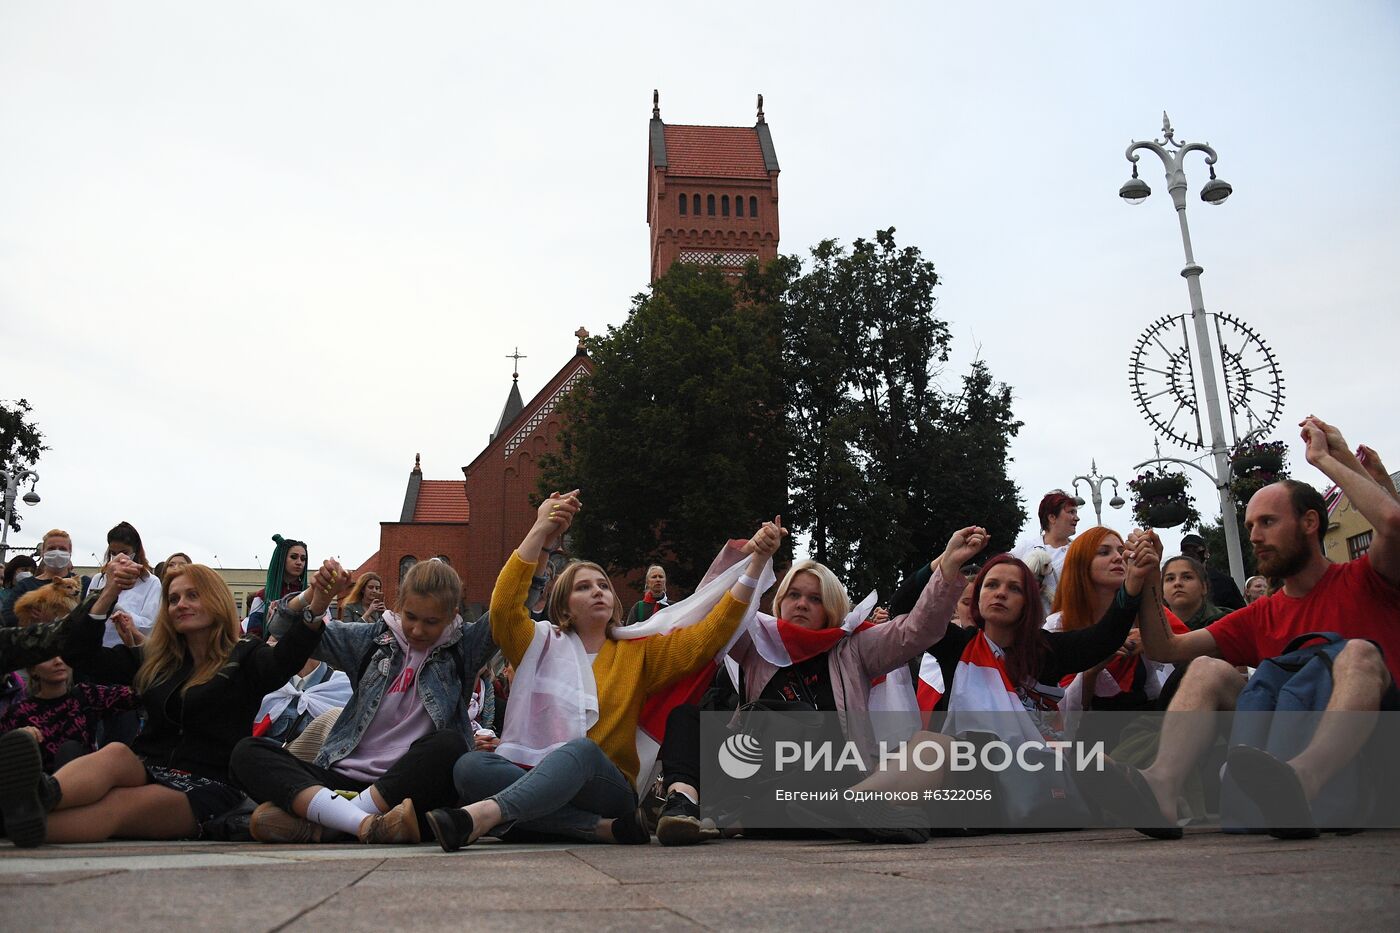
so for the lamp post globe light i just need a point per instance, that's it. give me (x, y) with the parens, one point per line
(1134, 191)
(13, 479)
(1095, 483)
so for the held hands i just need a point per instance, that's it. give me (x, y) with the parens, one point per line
(556, 513)
(766, 541)
(1323, 440)
(122, 573)
(126, 628)
(965, 544)
(330, 581)
(1142, 553)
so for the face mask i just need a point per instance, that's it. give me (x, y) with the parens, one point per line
(56, 560)
(22, 575)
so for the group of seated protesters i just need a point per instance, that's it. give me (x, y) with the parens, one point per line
(408, 750)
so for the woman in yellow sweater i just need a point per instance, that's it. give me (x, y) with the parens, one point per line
(577, 695)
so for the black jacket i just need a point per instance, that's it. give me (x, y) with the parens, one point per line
(194, 731)
(1066, 652)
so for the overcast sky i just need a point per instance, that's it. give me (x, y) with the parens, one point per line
(254, 256)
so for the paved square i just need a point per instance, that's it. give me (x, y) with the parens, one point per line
(1099, 880)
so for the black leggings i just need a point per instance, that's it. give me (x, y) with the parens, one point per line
(268, 772)
(680, 749)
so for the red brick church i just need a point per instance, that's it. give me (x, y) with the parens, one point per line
(712, 196)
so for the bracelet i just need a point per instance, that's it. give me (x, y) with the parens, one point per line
(748, 581)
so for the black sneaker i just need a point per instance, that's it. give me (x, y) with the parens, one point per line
(21, 767)
(452, 827)
(680, 823)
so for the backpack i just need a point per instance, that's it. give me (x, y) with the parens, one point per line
(1297, 683)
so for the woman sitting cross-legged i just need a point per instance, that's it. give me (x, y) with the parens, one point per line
(578, 692)
(200, 684)
(1095, 571)
(1004, 676)
(407, 721)
(817, 655)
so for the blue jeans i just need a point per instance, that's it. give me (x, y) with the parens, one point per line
(566, 793)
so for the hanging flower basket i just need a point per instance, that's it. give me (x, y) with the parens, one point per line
(1160, 487)
(1254, 465)
(1168, 514)
(1265, 457)
(1160, 499)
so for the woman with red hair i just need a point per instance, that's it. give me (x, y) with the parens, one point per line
(1094, 576)
(1003, 674)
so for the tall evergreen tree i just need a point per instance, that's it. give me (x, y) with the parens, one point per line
(886, 463)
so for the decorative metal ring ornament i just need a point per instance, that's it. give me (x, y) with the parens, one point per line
(1163, 378)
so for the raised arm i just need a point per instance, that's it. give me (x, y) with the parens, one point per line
(511, 626)
(82, 644)
(1328, 451)
(1143, 554)
(271, 667)
(671, 656)
(882, 648)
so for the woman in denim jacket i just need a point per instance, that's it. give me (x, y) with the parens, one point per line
(407, 721)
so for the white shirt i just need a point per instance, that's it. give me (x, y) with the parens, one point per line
(141, 602)
(1051, 581)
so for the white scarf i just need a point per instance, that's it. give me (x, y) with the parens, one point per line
(332, 693)
(983, 699)
(554, 697)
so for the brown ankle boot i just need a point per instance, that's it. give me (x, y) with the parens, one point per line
(398, 825)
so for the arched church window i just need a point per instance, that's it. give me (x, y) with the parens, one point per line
(739, 206)
(695, 205)
(405, 565)
(724, 205)
(683, 201)
(710, 204)
(753, 207)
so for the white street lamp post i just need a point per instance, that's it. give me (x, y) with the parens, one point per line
(1134, 191)
(1095, 483)
(12, 484)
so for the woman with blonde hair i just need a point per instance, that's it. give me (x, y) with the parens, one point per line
(580, 684)
(814, 654)
(365, 601)
(201, 684)
(408, 720)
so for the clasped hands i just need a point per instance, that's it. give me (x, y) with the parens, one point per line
(329, 582)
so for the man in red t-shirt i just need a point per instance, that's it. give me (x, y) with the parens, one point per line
(1359, 600)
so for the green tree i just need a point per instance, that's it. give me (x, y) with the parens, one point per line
(1214, 535)
(21, 442)
(886, 463)
(677, 441)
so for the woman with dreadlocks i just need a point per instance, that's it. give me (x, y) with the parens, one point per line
(286, 574)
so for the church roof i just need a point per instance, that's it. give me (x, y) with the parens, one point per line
(514, 405)
(716, 151)
(442, 500)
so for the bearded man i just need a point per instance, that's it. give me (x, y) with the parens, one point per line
(1359, 600)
